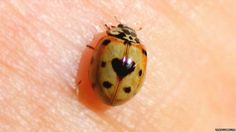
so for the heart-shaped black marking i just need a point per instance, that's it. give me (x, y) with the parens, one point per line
(123, 66)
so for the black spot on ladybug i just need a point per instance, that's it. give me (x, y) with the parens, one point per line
(123, 66)
(137, 40)
(106, 42)
(127, 89)
(126, 31)
(133, 34)
(120, 25)
(130, 38)
(106, 84)
(121, 35)
(103, 64)
(140, 72)
(144, 52)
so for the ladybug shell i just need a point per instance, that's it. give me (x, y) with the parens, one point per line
(117, 69)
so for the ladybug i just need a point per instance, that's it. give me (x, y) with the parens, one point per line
(118, 65)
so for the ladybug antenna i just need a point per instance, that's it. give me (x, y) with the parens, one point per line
(117, 20)
(108, 26)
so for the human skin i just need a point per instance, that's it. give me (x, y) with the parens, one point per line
(191, 73)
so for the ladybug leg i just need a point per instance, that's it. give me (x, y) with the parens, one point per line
(140, 28)
(79, 82)
(108, 27)
(91, 47)
(77, 88)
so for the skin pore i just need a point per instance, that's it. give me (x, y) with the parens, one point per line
(190, 79)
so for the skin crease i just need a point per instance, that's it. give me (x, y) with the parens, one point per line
(190, 80)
